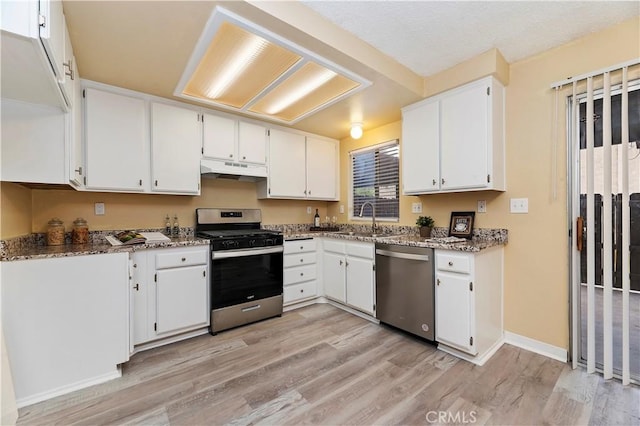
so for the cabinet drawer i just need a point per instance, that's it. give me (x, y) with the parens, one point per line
(300, 291)
(299, 274)
(299, 246)
(173, 259)
(461, 263)
(366, 251)
(299, 259)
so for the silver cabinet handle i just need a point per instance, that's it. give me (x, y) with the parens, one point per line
(434, 182)
(184, 259)
(443, 181)
(438, 281)
(251, 308)
(450, 263)
(341, 263)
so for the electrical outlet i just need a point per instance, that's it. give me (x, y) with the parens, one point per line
(341, 208)
(519, 205)
(482, 206)
(308, 209)
(416, 207)
(99, 209)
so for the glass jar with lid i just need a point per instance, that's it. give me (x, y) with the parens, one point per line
(80, 232)
(55, 232)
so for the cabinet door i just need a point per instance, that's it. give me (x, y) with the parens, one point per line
(421, 149)
(219, 137)
(69, 74)
(455, 312)
(360, 284)
(141, 326)
(286, 165)
(465, 138)
(116, 141)
(252, 143)
(322, 169)
(175, 149)
(181, 299)
(333, 276)
(52, 34)
(76, 147)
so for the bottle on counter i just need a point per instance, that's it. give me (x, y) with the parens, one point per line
(55, 232)
(80, 231)
(176, 227)
(167, 226)
(316, 219)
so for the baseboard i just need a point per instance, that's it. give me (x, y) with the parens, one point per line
(32, 399)
(479, 359)
(301, 304)
(536, 346)
(167, 340)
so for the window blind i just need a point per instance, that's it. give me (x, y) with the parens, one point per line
(375, 178)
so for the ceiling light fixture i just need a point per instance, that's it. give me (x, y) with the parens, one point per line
(240, 66)
(356, 130)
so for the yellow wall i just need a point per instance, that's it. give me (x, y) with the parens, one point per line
(536, 258)
(28, 210)
(15, 205)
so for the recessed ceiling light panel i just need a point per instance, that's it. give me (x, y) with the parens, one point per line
(245, 68)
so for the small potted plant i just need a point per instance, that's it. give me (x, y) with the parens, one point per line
(426, 225)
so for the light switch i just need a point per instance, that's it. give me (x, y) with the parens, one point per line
(308, 209)
(482, 206)
(341, 208)
(416, 208)
(99, 209)
(519, 205)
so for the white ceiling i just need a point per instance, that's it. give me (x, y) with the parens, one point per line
(431, 36)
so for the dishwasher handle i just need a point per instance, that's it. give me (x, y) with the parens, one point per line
(408, 256)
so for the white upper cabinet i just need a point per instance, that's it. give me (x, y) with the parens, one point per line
(455, 141)
(219, 137)
(33, 52)
(117, 156)
(421, 148)
(300, 167)
(322, 168)
(252, 143)
(230, 146)
(286, 165)
(175, 149)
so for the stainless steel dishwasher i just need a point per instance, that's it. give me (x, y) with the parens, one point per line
(404, 288)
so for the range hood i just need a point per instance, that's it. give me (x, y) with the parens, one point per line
(222, 169)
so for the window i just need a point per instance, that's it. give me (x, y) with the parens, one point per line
(375, 178)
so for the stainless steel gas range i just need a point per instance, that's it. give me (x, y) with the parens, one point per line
(246, 266)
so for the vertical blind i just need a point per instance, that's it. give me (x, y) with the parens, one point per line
(375, 178)
(599, 244)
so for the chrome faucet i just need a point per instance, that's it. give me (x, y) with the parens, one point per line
(373, 215)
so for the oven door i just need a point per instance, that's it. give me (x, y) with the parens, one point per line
(240, 276)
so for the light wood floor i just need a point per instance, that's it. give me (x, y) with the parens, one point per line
(320, 365)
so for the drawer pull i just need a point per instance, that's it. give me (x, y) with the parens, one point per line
(301, 290)
(184, 259)
(301, 260)
(301, 247)
(251, 308)
(137, 287)
(450, 263)
(438, 281)
(302, 274)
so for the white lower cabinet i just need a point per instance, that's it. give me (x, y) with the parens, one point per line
(300, 271)
(348, 273)
(65, 322)
(170, 292)
(469, 318)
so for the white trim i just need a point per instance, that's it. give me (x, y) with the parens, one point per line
(62, 390)
(580, 77)
(479, 359)
(536, 346)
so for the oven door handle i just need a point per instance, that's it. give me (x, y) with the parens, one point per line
(247, 252)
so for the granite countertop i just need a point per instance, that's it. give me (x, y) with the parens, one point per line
(39, 251)
(485, 239)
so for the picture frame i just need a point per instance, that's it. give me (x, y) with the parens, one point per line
(461, 224)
